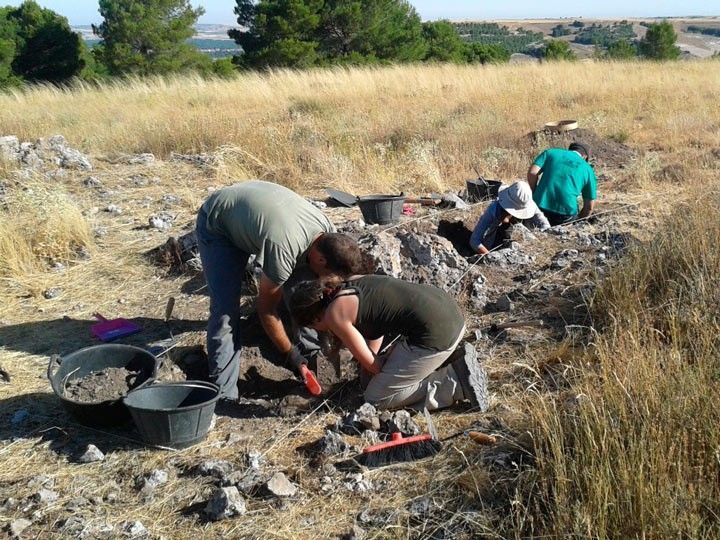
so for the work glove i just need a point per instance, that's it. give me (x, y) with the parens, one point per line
(295, 358)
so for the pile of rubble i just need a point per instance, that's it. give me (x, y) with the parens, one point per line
(43, 153)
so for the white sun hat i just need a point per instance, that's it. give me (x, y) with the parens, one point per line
(516, 199)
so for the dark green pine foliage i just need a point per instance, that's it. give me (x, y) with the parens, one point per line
(37, 44)
(305, 33)
(148, 37)
(444, 43)
(659, 42)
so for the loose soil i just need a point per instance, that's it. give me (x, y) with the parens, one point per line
(604, 151)
(107, 385)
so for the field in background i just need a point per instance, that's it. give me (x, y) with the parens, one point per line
(399, 128)
(622, 424)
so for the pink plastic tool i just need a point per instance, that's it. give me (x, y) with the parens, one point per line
(110, 330)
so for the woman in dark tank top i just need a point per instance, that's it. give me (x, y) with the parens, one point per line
(367, 310)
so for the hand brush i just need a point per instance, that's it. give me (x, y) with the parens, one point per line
(400, 448)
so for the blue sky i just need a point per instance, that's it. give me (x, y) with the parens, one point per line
(220, 11)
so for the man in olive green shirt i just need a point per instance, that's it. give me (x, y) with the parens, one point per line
(558, 177)
(285, 232)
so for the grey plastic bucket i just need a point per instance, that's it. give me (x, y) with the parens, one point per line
(173, 414)
(483, 190)
(381, 209)
(80, 363)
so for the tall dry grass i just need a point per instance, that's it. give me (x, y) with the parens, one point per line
(636, 452)
(411, 127)
(40, 223)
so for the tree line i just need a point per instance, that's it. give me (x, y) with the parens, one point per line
(151, 37)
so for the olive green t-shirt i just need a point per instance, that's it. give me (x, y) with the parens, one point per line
(268, 220)
(425, 315)
(565, 176)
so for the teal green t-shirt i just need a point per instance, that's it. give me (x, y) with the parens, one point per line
(565, 176)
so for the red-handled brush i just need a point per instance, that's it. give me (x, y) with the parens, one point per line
(311, 381)
(399, 449)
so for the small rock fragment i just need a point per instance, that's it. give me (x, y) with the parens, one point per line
(18, 526)
(370, 437)
(402, 421)
(141, 159)
(52, 292)
(161, 221)
(156, 478)
(76, 504)
(254, 459)
(332, 444)
(113, 209)
(504, 303)
(134, 529)
(225, 503)
(280, 486)
(357, 483)
(92, 455)
(357, 533)
(45, 496)
(9, 504)
(216, 468)
(420, 507)
(41, 481)
(91, 182)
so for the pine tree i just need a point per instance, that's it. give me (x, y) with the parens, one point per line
(557, 49)
(148, 37)
(302, 33)
(37, 44)
(659, 42)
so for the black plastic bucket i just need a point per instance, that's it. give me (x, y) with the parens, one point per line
(381, 209)
(174, 414)
(483, 190)
(80, 363)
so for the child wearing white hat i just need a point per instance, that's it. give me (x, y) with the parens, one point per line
(514, 204)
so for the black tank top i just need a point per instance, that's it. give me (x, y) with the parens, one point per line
(425, 315)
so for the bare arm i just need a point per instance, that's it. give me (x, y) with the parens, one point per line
(532, 176)
(587, 209)
(340, 318)
(269, 296)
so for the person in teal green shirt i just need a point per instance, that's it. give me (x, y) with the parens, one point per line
(558, 177)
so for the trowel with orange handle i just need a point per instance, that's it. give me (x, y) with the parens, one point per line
(310, 380)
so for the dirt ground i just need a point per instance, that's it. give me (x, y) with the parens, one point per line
(276, 417)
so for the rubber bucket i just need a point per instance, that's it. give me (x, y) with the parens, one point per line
(80, 363)
(173, 414)
(381, 209)
(483, 190)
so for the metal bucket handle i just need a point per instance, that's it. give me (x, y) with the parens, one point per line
(53, 366)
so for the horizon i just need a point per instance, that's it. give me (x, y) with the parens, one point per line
(219, 12)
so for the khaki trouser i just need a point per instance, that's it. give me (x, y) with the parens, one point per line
(410, 378)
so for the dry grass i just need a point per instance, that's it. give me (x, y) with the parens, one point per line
(412, 127)
(40, 223)
(625, 436)
(634, 452)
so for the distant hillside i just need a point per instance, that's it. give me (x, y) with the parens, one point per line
(578, 31)
(212, 39)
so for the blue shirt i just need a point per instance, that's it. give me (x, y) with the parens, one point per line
(487, 226)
